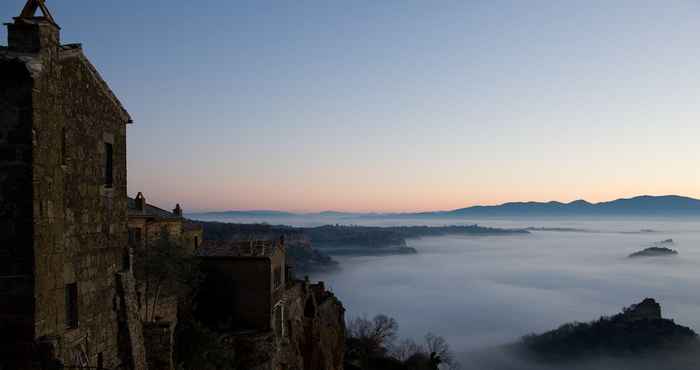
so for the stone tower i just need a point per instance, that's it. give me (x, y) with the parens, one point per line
(63, 211)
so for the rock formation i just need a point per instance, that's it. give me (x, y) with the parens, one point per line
(654, 252)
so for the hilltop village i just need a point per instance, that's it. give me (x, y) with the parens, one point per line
(73, 243)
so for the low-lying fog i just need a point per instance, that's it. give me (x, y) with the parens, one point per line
(481, 292)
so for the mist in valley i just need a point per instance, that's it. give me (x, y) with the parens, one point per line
(483, 292)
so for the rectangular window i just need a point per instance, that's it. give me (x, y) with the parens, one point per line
(126, 259)
(134, 236)
(196, 242)
(109, 165)
(72, 305)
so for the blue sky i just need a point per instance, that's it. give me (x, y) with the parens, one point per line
(397, 105)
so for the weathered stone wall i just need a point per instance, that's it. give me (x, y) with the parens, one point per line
(331, 328)
(151, 231)
(165, 309)
(235, 294)
(191, 239)
(154, 230)
(16, 211)
(315, 335)
(312, 336)
(68, 226)
(80, 223)
(277, 263)
(158, 338)
(131, 341)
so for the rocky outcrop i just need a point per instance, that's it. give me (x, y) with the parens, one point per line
(639, 329)
(654, 252)
(312, 337)
(648, 309)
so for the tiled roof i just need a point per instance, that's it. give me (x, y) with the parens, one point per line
(253, 248)
(148, 210)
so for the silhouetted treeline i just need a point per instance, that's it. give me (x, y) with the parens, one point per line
(372, 344)
(612, 336)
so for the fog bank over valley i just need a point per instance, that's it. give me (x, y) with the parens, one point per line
(483, 292)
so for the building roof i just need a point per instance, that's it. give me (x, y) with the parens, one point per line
(34, 65)
(149, 211)
(251, 248)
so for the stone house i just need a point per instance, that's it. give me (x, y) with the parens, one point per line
(269, 319)
(244, 285)
(146, 225)
(63, 204)
(147, 222)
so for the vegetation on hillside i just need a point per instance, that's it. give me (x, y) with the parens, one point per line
(622, 334)
(372, 344)
(308, 248)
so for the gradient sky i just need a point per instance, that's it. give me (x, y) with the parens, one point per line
(397, 105)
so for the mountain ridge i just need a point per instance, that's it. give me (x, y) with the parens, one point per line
(642, 205)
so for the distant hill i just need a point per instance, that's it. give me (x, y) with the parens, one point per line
(639, 329)
(251, 213)
(645, 205)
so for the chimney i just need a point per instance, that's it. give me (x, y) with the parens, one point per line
(177, 211)
(31, 34)
(140, 202)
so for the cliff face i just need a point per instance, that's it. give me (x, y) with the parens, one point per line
(312, 337)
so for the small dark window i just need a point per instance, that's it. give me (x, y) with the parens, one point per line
(309, 309)
(109, 165)
(134, 236)
(100, 361)
(126, 259)
(196, 242)
(72, 305)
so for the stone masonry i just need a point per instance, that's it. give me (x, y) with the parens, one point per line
(63, 203)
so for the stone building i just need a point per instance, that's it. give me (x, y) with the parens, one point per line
(63, 204)
(147, 222)
(245, 283)
(269, 319)
(68, 296)
(146, 226)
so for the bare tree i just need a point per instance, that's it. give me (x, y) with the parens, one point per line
(370, 338)
(438, 348)
(164, 268)
(380, 332)
(405, 349)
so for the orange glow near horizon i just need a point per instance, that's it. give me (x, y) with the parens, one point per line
(396, 203)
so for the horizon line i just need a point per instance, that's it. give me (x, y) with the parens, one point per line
(302, 213)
